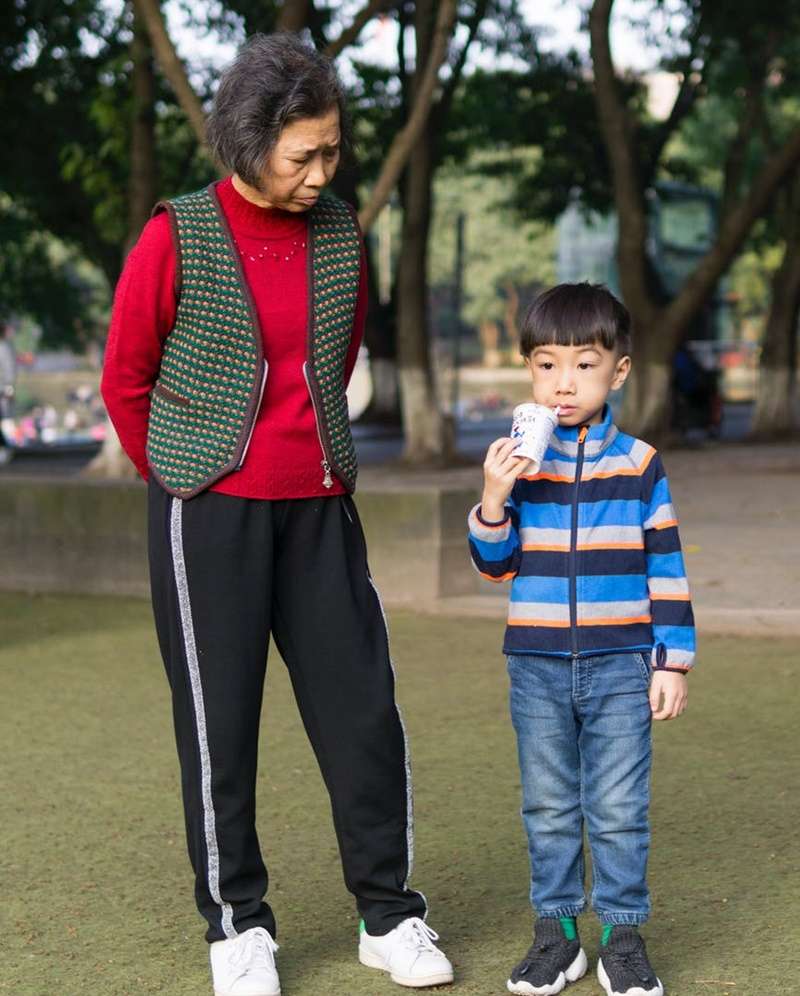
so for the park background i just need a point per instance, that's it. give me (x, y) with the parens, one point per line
(500, 146)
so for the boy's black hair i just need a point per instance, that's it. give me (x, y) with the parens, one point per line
(576, 315)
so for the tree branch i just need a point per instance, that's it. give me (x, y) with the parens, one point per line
(446, 99)
(735, 229)
(404, 141)
(172, 67)
(350, 34)
(690, 89)
(737, 152)
(628, 193)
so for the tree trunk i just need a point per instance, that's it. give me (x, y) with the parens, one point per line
(111, 461)
(426, 433)
(774, 412)
(647, 404)
(293, 15)
(143, 180)
(426, 436)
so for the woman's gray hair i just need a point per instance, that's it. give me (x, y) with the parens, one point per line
(273, 80)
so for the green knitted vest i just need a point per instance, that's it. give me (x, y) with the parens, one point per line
(212, 376)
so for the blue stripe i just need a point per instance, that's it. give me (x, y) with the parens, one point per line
(659, 496)
(665, 565)
(675, 637)
(546, 515)
(611, 513)
(492, 552)
(535, 588)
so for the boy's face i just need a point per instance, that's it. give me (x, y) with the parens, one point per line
(576, 378)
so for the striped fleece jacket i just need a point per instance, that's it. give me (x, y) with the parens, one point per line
(591, 546)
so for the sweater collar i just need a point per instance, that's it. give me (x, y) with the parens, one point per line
(598, 438)
(248, 219)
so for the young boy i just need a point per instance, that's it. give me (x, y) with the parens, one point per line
(599, 639)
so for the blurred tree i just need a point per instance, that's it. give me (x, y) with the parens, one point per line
(746, 49)
(768, 281)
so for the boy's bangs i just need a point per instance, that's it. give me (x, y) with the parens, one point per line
(576, 315)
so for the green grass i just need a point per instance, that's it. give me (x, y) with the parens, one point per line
(97, 893)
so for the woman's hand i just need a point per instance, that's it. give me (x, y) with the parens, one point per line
(500, 470)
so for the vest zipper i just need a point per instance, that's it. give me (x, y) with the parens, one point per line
(327, 480)
(240, 464)
(573, 545)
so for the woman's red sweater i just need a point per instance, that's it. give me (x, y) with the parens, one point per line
(285, 454)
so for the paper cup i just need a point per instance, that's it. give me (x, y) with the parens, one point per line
(533, 426)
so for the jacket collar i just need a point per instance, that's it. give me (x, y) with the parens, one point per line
(599, 437)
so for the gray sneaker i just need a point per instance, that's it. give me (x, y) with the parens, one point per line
(551, 962)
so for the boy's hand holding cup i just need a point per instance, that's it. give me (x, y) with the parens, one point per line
(509, 458)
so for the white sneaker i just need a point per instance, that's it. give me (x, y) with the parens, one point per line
(245, 965)
(408, 954)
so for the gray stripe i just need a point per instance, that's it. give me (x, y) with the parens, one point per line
(182, 584)
(409, 787)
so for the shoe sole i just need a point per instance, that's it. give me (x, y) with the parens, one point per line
(576, 971)
(602, 978)
(274, 992)
(375, 961)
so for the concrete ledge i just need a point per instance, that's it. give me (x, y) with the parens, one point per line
(90, 537)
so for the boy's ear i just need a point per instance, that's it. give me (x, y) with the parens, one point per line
(621, 371)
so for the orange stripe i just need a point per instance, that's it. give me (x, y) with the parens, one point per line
(553, 623)
(667, 524)
(670, 598)
(558, 478)
(545, 546)
(503, 577)
(611, 546)
(622, 621)
(626, 471)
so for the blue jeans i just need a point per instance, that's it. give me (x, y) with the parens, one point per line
(583, 735)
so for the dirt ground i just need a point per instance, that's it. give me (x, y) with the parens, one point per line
(739, 507)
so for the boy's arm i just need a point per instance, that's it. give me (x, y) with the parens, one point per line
(495, 546)
(670, 605)
(494, 542)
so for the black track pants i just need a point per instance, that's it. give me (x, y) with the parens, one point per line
(225, 573)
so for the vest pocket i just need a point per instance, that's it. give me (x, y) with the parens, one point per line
(168, 395)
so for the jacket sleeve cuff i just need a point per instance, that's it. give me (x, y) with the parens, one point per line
(671, 659)
(486, 531)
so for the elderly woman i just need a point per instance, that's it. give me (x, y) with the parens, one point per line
(235, 329)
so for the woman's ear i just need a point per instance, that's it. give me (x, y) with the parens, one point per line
(621, 371)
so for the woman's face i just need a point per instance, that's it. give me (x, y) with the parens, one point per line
(302, 163)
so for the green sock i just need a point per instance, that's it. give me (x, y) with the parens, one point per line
(569, 927)
(606, 934)
(362, 927)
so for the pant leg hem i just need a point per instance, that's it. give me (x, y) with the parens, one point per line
(622, 919)
(574, 910)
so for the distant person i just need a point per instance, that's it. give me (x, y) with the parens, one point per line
(600, 636)
(8, 380)
(236, 325)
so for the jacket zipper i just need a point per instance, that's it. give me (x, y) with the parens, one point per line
(573, 545)
(255, 416)
(327, 480)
